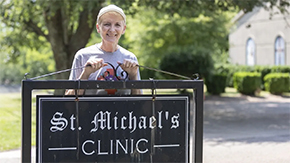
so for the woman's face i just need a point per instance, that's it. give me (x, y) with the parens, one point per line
(111, 27)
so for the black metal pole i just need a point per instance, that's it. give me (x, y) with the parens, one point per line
(26, 122)
(199, 124)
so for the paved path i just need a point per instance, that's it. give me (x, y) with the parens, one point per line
(10, 89)
(237, 130)
(247, 130)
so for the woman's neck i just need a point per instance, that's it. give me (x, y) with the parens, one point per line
(108, 47)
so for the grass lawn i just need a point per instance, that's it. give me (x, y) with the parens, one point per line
(10, 121)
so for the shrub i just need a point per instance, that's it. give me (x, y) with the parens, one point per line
(247, 82)
(264, 70)
(230, 70)
(146, 74)
(216, 84)
(188, 63)
(282, 69)
(277, 83)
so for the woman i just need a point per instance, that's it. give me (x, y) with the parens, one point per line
(107, 57)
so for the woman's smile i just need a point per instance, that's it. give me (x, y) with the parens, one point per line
(111, 28)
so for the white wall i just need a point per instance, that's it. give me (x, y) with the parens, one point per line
(264, 32)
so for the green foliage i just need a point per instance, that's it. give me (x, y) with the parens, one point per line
(264, 70)
(14, 16)
(38, 63)
(187, 6)
(188, 63)
(230, 69)
(160, 26)
(282, 69)
(147, 74)
(277, 83)
(216, 84)
(10, 74)
(155, 28)
(247, 82)
(33, 62)
(64, 26)
(153, 35)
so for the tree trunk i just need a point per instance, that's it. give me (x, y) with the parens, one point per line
(63, 46)
(64, 51)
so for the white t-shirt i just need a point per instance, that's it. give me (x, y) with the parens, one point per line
(111, 72)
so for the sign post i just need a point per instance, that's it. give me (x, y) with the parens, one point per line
(136, 128)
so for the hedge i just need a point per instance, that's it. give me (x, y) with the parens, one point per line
(277, 83)
(247, 82)
(216, 84)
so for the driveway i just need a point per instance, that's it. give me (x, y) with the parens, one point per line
(246, 129)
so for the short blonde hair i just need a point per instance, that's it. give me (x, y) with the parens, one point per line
(111, 8)
(100, 20)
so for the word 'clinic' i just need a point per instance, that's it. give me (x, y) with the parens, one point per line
(127, 146)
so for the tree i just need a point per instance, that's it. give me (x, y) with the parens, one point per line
(68, 24)
(153, 35)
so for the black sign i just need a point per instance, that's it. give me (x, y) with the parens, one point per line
(113, 129)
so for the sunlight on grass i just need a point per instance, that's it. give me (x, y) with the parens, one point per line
(230, 92)
(10, 121)
(286, 94)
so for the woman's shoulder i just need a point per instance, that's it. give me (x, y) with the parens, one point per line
(126, 52)
(88, 51)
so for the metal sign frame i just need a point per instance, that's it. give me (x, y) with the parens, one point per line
(66, 127)
(196, 123)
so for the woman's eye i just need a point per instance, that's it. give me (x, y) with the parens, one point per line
(106, 24)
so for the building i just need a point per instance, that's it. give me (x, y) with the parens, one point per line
(260, 37)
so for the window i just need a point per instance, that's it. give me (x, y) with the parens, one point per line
(279, 51)
(250, 52)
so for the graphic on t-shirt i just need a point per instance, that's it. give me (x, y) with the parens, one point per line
(108, 75)
(112, 74)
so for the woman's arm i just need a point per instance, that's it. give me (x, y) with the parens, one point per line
(92, 66)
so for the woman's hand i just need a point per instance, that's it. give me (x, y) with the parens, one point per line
(92, 65)
(131, 67)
